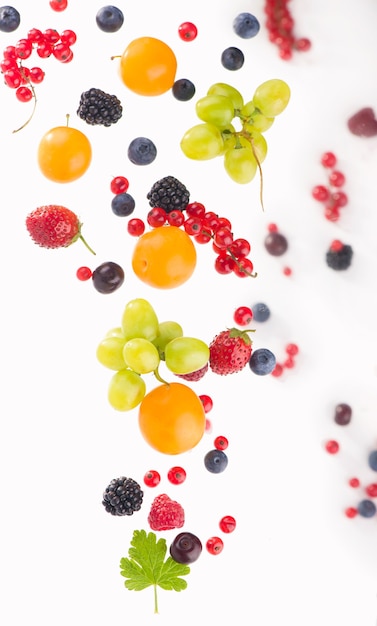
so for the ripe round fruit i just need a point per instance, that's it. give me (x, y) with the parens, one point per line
(172, 418)
(186, 548)
(164, 257)
(64, 154)
(148, 66)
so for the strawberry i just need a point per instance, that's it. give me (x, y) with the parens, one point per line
(165, 513)
(230, 351)
(197, 375)
(54, 226)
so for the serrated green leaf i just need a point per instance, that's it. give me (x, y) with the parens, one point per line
(146, 565)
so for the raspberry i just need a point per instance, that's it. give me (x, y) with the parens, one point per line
(165, 514)
(194, 376)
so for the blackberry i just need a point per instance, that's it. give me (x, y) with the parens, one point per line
(123, 496)
(99, 108)
(169, 194)
(339, 259)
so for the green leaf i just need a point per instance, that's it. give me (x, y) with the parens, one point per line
(146, 565)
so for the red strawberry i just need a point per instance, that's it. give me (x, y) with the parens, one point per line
(165, 513)
(197, 375)
(230, 351)
(54, 226)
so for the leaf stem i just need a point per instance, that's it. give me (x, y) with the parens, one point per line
(155, 598)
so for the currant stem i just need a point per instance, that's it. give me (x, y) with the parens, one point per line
(33, 110)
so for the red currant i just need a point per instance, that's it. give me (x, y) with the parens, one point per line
(277, 371)
(208, 426)
(332, 446)
(152, 478)
(203, 237)
(243, 267)
(176, 475)
(10, 53)
(339, 199)
(337, 179)
(175, 218)
(221, 443)
(320, 193)
(336, 245)
(195, 209)
(193, 225)
(227, 524)
(332, 213)
(119, 184)
(84, 273)
(24, 48)
(24, 94)
(44, 49)
(214, 545)
(240, 248)
(135, 227)
(243, 315)
(289, 363)
(12, 78)
(187, 31)
(224, 264)
(36, 75)
(303, 44)
(51, 35)
(272, 228)
(62, 52)
(354, 483)
(328, 159)
(211, 220)
(225, 223)
(207, 402)
(58, 5)
(291, 349)
(35, 35)
(223, 237)
(287, 271)
(68, 36)
(8, 64)
(351, 512)
(156, 217)
(371, 490)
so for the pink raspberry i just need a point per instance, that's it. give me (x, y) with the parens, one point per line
(165, 513)
(194, 376)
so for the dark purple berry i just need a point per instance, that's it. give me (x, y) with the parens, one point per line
(186, 548)
(108, 277)
(276, 244)
(343, 414)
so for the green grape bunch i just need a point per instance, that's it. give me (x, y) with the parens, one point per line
(233, 129)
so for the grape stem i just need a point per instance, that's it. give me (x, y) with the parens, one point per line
(249, 138)
(159, 378)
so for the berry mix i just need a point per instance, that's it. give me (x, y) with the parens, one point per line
(158, 370)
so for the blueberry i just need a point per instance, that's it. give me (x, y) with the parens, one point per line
(246, 25)
(9, 19)
(372, 460)
(122, 204)
(262, 362)
(215, 461)
(108, 277)
(366, 508)
(183, 89)
(109, 19)
(232, 58)
(261, 312)
(142, 151)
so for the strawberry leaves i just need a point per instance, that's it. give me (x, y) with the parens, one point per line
(146, 566)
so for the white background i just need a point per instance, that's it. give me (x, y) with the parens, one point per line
(294, 557)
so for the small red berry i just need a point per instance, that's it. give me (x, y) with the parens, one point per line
(289, 363)
(175, 218)
(332, 213)
(156, 217)
(240, 248)
(371, 490)
(336, 245)
(243, 315)
(62, 52)
(193, 225)
(350, 512)
(354, 483)
(152, 478)
(337, 179)
(207, 402)
(208, 426)
(214, 545)
(24, 94)
(187, 31)
(176, 475)
(195, 209)
(119, 184)
(272, 228)
(320, 193)
(135, 227)
(339, 199)
(84, 273)
(203, 237)
(221, 443)
(243, 268)
(287, 271)
(68, 36)
(332, 446)
(291, 349)
(58, 5)
(328, 159)
(277, 371)
(224, 264)
(51, 35)
(303, 44)
(227, 524)
(36, 75)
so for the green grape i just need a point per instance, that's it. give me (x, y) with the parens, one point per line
(115, 332)
(166, 332)
(141, 355)
(202, 142)
(126, 390)
(223, 89)
(271, 97)
(110, 353)
(255, 118)
(139, 320)
(240, 164)
(218, 110)
(256, 141)
(184, 355)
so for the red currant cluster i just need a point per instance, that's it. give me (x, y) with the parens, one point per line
(331, 196)
(47, 43)
(280, 25)
(204, 226)
(291, 350)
